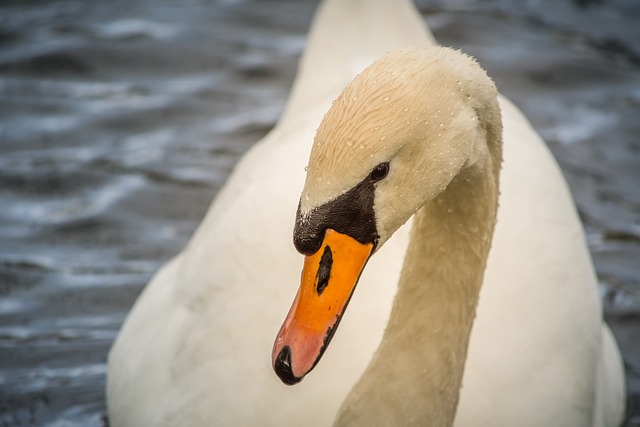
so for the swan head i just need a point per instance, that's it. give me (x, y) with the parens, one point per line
(395, 138)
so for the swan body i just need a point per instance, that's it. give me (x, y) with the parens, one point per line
(194, 350)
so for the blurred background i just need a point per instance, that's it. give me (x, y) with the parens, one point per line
(120, 120)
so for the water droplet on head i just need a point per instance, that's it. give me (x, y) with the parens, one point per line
(306, 168)
(386, 98)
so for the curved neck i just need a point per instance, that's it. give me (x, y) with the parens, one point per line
(414, 378)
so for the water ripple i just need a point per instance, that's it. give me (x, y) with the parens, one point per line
(76, 208)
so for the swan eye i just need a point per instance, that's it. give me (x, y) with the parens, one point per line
(379, 172)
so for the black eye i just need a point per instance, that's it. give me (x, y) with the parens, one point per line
(379, 172)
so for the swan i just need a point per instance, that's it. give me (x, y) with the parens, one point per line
(520, 342)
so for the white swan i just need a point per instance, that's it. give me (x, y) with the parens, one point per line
(194, 350)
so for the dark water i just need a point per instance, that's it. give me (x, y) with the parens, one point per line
(119, 121)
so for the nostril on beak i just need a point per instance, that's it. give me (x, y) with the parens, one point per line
(282, 366)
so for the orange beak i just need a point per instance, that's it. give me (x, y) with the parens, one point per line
(329, 277)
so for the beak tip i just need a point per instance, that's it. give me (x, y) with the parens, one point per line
(282, 367)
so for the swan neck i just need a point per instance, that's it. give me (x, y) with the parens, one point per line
(417, 371)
